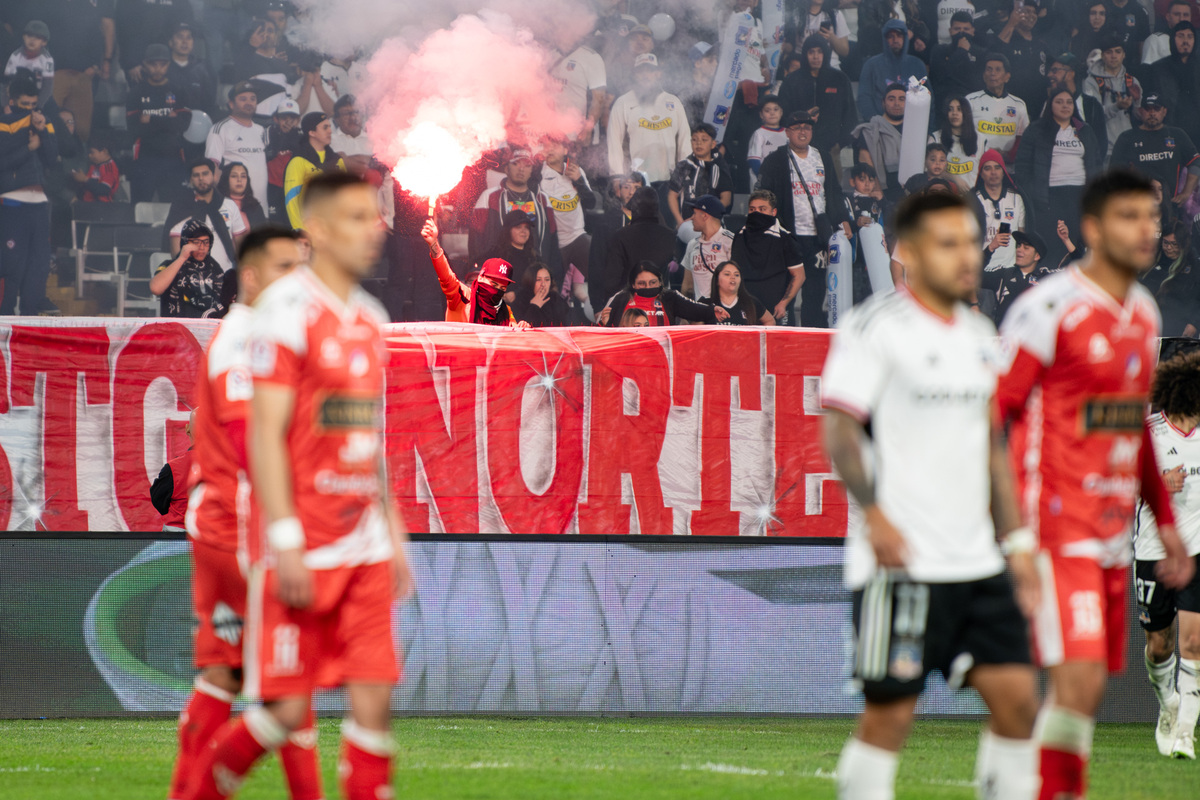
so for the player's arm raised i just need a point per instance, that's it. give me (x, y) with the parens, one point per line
(270, 462)
(843, 441)
(1017, 541)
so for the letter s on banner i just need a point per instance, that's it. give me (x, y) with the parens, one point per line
(557, 376)
(160, 350)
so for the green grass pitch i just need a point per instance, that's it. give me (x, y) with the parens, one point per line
(626, 758)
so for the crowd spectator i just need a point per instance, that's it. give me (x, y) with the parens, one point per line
(957, 67)
(141, 23)
(1160, 152)
(84, 35)
(825, 93)
(28, 149)
(768, 137)
(1174, 80)
(538, 301)
(615, 215)
(1001, 211)
(877, 142)
(934, 169)
(1118, 91)
(770, 261)
(35, 57)
(729, 294)
(158, 120)
(1158, 44)
(1065, 71)
(566, 188)
(961, 140)
(1170, 257)
(705, 252)
(702, 173)
(238, 137)
(584, 80)
(189, 75)
(262, 61)
(313, 156)
(873, 16)
(216, 212)
(98, 183)
(192, 282)
(516, 245)
(349, 137)
(515, 193)
(235, 184)
(283, 138)
(809, 203)
(1179, 294)
(1000, 117)
(893, 65)
(621, 69)
(643, 239)
(1129, 21)
(825, 20)
(1004, 286)
(649, 124)
(1093, 31)
(1028, 54)
(1059, 154)
(483, 300)
(649, 293)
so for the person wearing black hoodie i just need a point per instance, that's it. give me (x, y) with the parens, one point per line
(1173, 79)
(825, 93)
(645, 238)
(957, 68)
(516, 245)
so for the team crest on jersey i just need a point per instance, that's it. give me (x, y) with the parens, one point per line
(1133, 366)
(570, 66)
(1169, 142)
(262, 357)
(1010, 214)
(905, 663)
(820, 172)
(1130, 20)
(1011, 111)
(670, 106)
(359, 363)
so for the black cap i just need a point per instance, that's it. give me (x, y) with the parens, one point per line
(241, 88)
(311, 120)
(709, 204)
(1071, 62)
(798, 118)
(194, 229)
(1032, 239)
(157, 52)
(1153, 100)
(514, 218)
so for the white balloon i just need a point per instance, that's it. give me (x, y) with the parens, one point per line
(198, 128)
(662, 26)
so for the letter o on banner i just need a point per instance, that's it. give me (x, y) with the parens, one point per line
(540, 374)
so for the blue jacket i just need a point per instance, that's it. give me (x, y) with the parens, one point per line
(884, 69)
(20, 166)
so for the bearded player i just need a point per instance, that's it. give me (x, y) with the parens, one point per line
(1175, 397)
(1083, 346)
(320, 607)
(219, 517)
(927, 572)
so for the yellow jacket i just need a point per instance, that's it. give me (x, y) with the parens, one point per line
(299, 170)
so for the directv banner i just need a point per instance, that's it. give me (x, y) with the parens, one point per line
(653, 431)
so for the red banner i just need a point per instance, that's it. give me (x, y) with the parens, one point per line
(690, 430)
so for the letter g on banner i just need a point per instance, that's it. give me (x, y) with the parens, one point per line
(535, 374)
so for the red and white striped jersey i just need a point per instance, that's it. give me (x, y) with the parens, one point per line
(331, 355)
(1076, 386)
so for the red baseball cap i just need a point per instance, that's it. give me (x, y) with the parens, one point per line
(497, 269)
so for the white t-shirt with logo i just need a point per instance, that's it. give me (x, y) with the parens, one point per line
(1066, 166)
(926, 385)
(579, 73)
(1009, 208)
(813, 169)
(230, 141)
(564, 199)
(1000, 121)
(960, 167)
(703, 257)
(234, 221)
(1172, 448)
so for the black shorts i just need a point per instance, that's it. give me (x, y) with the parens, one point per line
(905, 630)
(1157, 605)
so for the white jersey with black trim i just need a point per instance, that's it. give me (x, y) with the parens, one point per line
(1000, 121)
(1172, 448)
(926, 384)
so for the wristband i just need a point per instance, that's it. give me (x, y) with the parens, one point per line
(1019, 542)
(285, 534)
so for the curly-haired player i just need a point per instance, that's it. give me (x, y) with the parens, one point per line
(1175, 398)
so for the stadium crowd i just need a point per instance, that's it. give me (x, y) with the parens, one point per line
(648, 216)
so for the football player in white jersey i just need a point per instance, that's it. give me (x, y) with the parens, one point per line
(933, 480)
(1175, 397)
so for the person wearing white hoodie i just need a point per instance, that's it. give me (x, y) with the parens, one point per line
(1118, 91)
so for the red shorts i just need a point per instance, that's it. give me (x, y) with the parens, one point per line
(1082, 616)
(219, 600)
(344, 636)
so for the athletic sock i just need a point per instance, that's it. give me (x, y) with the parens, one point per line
(232, 753)
(365, 766)
(866, 772)
(300, 763)
(1066, 744)
(1162, 678)
(1189, 694)
(206, 711)
(1006, 769)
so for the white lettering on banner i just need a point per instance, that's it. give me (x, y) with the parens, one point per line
(487, 429)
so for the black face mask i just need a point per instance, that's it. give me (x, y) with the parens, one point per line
(758, 221)
(648, 293)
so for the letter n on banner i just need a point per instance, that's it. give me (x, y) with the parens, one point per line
(623, 442)
(554, 377)
(159, 350)
(417, 426)
(61, 355)
(719, 355)
(809, 500)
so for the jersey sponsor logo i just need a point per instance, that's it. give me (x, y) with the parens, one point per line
(341, 412)
(566, 205)
(1124, 453)
(360, 447)
(1156, 156)
(950, 395)
(998, 128)
(660, 125)
(1112, 415)
(959, 167)
(831, 90)
(329, 482)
